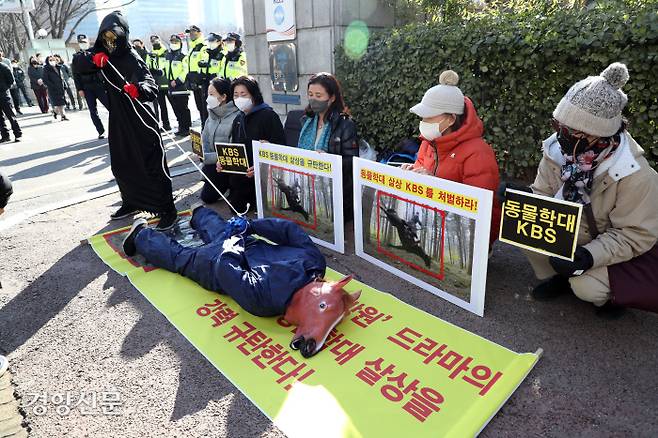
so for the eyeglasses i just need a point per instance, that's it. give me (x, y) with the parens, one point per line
(565, 130)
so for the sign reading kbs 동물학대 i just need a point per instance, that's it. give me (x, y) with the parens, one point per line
(232, 157)
(541, 224)
(429, 231)
(302, 186)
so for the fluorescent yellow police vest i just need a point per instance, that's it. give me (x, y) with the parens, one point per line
(215, 66)
(197, 53)
(175, 66)
(237, 68)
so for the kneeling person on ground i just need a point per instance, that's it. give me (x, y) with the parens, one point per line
(594, 161)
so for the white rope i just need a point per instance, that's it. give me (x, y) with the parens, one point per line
(171, 137)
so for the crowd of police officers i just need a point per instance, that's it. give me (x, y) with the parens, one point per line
(180, 72)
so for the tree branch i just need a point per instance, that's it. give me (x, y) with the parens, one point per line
(84, 15)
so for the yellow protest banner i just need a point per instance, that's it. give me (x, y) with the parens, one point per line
(388, 370)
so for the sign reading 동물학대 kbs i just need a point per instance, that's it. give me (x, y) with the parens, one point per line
(541, 224)
(232, 157)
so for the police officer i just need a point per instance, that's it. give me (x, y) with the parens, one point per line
(236, 59)
(155, 60)
(90, 86)
(213, 66)
(175, 70)
(195, 80)
(138, 45)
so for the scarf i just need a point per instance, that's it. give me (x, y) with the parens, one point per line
(308, 135)
(578, 171)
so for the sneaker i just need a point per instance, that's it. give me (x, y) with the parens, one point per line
(4, 364)
(65, 118)
(167, 221)
(193, 208)
(552, 288)
(19, 113)
(101, 136)
(610, 311)
(124, 211)
(129, 247)
(182, 133)
(4, 139)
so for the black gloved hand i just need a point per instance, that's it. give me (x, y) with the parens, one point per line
(202, 63)
(582, 261)
(504, 185)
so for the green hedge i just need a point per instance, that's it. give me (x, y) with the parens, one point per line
(515, 68)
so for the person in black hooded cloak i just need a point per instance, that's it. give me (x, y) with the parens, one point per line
(137, 153)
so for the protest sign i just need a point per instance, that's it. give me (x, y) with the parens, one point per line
(195, 140)
(541, 224)
(232, 157)
(303, 186)
(429, 231)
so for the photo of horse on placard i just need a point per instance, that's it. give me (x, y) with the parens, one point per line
(426, 242)
(303, 198)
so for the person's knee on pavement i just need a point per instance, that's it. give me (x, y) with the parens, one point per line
(589, 288)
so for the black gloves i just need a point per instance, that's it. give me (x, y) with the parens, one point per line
(504, 185)
(203, 63)
(582, 261)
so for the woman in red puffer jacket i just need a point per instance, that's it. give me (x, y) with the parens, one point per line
(452, 145)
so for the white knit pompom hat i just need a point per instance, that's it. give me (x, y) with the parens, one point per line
(445, 98)
(594, 105)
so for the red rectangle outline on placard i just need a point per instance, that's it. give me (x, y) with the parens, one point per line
(283, 216)
(438, 276)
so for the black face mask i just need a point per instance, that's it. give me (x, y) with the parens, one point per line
(156, 46)
(570, 145)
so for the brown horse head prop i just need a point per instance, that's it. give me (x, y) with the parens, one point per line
(316, 309)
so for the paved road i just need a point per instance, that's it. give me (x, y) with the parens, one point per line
(69, 324)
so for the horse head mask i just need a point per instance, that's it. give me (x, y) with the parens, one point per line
(316, 309)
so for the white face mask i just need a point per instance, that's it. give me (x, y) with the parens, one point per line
(213, 45)
(229, 47)
(244, 104)
(84, 46)
(430, 131)
(212, 102)
(174, 46)
(53, 63)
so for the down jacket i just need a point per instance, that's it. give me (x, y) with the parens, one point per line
(464, 157)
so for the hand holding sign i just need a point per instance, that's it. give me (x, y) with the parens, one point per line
(232, 158)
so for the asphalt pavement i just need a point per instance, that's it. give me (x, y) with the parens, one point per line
(72, 326)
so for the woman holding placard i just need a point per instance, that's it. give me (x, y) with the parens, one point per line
(452, 145)
(256, 121)
(328, 127)
(593, 160)
(219, 125)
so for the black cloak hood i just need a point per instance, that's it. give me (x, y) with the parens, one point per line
(116, 23)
